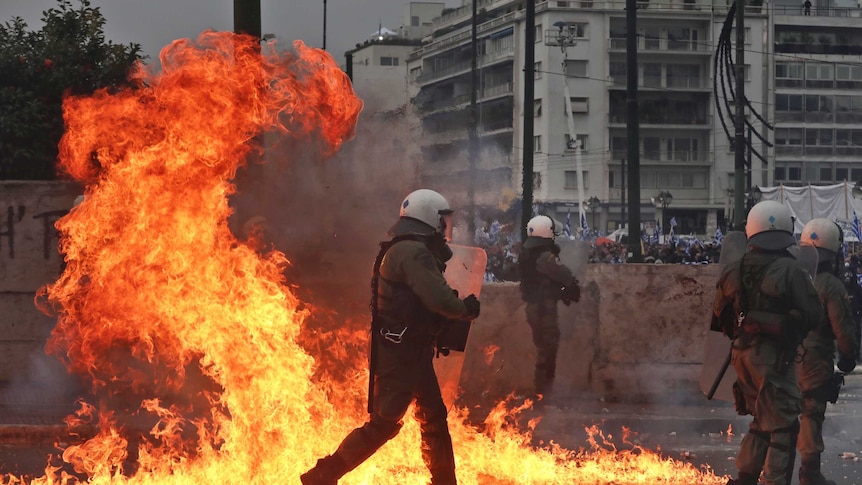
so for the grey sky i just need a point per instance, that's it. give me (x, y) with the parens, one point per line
(155, 23)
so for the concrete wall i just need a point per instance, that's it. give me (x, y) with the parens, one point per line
(28, 260)
(637, 332)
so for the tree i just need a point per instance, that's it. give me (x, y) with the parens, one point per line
(69, 56)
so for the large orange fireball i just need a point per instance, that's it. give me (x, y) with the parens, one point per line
(189, 339)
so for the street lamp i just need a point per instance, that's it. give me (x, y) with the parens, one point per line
(593, 203)
(662, 200)
(754, 196)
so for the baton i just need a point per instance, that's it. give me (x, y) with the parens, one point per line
(719, 377)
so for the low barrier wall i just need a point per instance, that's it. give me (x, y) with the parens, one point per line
(637, 332)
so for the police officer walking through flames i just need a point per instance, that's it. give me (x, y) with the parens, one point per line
(544, 282)
(817, 380)
(766, 303)
(411, 304)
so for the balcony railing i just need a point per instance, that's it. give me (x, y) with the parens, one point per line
(664, 45)
(679, 156)
(820, 151)
(819, 11)
(663, 118)
(465, 66)
(676, 82)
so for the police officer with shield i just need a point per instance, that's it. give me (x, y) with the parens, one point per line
(818, 382)
(411, 305)
(544, 282)
(767, 303)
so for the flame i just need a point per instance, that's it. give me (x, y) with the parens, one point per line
(199, 357)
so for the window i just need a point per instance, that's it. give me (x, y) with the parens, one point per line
(683, 76)
(537, 70)
(818, 137)
(825, 170)
(682, 149)
(746, 34)
(415, 73)
(841, 174)
(388, 61)
(538, 33)
(652, 148)
(577, 30)
(503, 43)
(788, 70)
(651, 75)
(414, 21)
(537, 144)
(580, 105)
(788, 102)
(537, 107)
(576, 68)
(572, 179)
(582, 139)
(788, 136)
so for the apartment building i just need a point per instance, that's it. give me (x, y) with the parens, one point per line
(817, 93)
(683, 147)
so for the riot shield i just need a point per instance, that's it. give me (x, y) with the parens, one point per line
(575, 255)
(716, 374)
(464, 273)
(807, 256)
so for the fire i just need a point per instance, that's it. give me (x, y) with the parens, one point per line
(198, 354)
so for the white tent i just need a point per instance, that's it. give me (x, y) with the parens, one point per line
(833, 202)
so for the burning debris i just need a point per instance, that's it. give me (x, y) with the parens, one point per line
(190, 340)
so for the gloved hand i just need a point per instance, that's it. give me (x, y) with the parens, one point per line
(571, 293)
(846, 364)
(472, 304)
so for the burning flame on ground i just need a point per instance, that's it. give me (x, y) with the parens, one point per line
(190, 339)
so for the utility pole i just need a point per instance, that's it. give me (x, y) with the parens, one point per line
(473, 133)
(324, 24)
(635, 255)
(529, 94)
(623, 191)
(246, 17)
(739, 122)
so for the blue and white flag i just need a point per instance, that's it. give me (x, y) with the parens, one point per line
(672, 222)
(718, 235)
(855, 227)
(567, 229)
(656, 233)
(584, 228)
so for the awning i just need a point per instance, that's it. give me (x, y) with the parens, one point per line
(502, 33)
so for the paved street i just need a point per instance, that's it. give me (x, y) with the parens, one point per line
(692, 430)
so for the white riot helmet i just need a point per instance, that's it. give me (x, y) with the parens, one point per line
(770, 226)
(542, 226)
(430, 207)
(824, 235)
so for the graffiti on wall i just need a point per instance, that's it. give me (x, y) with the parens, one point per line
(15, 217)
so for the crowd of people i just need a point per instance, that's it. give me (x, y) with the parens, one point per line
(502, 243)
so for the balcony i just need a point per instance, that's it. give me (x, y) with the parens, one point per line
(663, 120)
(663, 45)
(465, 66)
(693, 157)
(674, 82)
(817, 151)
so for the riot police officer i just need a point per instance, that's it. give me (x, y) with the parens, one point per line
(772, 304)
(544, 282)
(817, 382)
(411, 303)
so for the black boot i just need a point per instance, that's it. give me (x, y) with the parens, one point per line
(744, 479)
(327, 471)
(809, 471)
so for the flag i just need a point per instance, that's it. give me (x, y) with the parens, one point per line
(672, 222)
(584, 228)
(656, 232)
(567, 229)
(856, 231)
(718, 235)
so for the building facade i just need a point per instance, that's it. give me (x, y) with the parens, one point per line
(686, 100)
